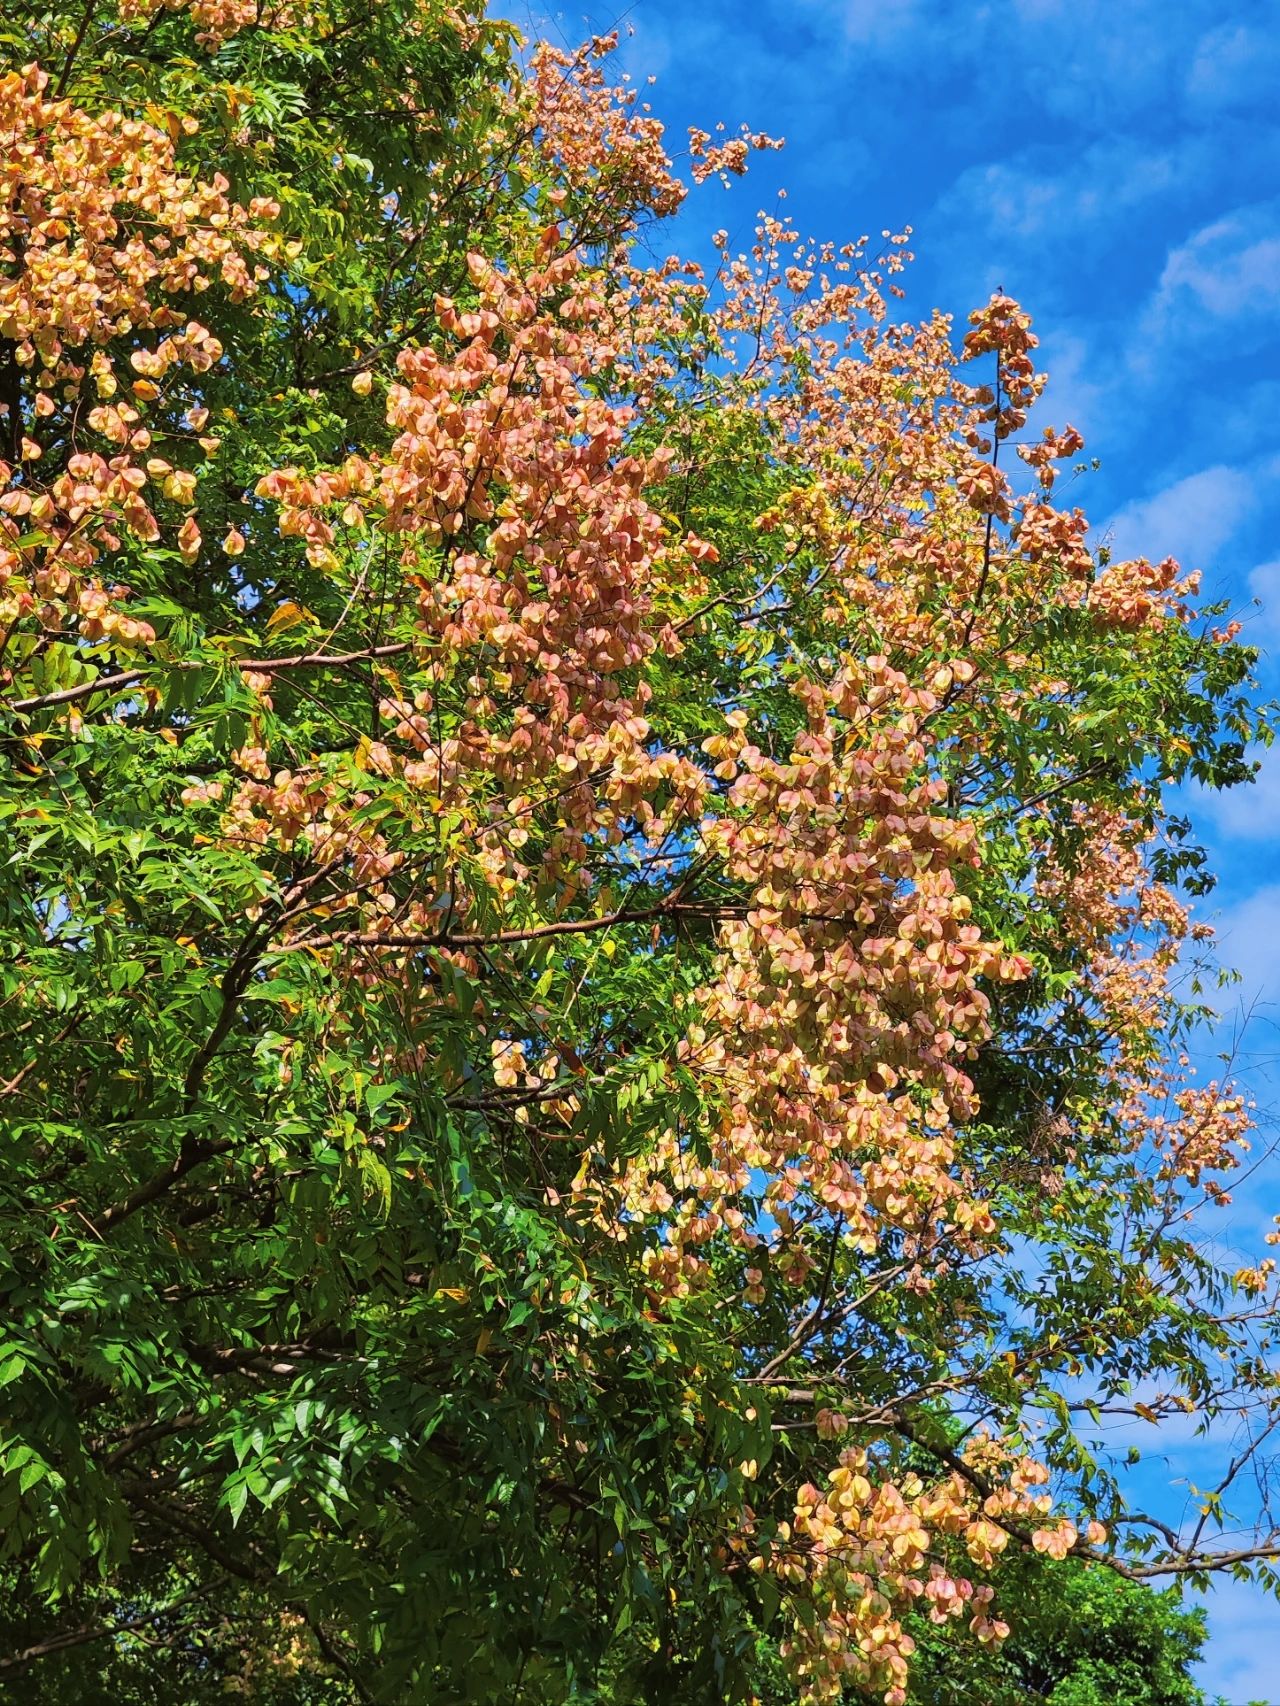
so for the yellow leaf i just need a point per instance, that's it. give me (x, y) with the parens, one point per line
(482, 1343)
(288, 615)
(1146, 1412)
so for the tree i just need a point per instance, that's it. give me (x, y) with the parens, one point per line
(1082, 1636)
(591, 1007)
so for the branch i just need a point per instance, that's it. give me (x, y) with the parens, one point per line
(97, 1632)
(330, 1651)
(11, 1086)
(813, 1320)
(11, 400)
(74, 50)
(258, 666)
(478, 939)
(1195, 1563)
(177, 1517)
(147, 1432)
(194, 1151)
(1060, 787)
(212, 1545)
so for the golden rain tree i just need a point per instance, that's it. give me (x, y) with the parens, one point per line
(595, 972)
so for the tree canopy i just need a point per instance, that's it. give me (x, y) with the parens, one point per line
(1083, 1637)
(596, 969)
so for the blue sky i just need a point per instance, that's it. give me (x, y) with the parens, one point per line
(1115, 165)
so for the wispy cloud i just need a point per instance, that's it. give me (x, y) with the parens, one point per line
(873, 22)
(1226, 271)
(1262, 625)
(1249, 942)
(1046, 193)
(1103, 60)
(1050, 222)
(1252, 812)
(1191, 519)
(1240, 1662)
(1075, 392)
(1233, 66)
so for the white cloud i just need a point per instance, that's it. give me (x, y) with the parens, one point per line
(1100, 58)
(1229, 270)
(876, 21)
(1035, 221)
(1262, 626)
(1192, 519)
(1074, 394)
(877, 25)
(1238, 416)
(1240, 1658)
(1249, 941)
(1232, 66)
(1252, 812)
(1085, 59)
(1056, 194)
